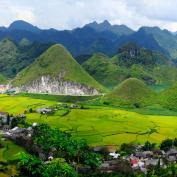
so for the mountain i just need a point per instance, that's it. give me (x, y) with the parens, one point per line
(130, 61)
(131, 89)
(104, 70)
(131, 53)
(79, 41)
(22, 25)
(119, 30)
(14, 57)
(153, 38)
(56, 72)
(130, 92)
(95, 37)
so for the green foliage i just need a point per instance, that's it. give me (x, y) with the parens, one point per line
(58, 167)
(166, 144)
(92, 159)
(169, 171)
(128, 149)
(55, 62)
(14, 57)
(67, 147)
(148, 146)
(30, 165)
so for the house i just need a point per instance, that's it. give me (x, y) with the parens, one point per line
(6, 128)
(171, 155)
(23, 116)
(134, 163)
(159, 153)
(10, 91)
(114, 155)
(44, 110)
(105, 149)
(144, 154)
(3, 88)
(3, 118)
(153, 162)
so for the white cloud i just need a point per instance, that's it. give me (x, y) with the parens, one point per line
(67, 14)
(10, 11)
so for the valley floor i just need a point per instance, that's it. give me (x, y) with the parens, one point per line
(99, 126)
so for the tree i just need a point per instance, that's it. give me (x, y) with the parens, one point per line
(30, 165)
(57, 168)
(148, 146)
(166, 144)
(175, 142)
(127, 148)
(92, 159)
(30, 110)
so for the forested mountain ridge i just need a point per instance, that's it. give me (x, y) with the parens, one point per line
(95, 37)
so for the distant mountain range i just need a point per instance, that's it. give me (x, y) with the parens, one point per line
(95, 37)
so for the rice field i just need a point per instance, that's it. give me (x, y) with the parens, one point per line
(99, 126)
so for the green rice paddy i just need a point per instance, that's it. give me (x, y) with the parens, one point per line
(99, 125)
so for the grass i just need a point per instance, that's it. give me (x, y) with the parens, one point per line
(98, 125)
(8, 155)
(131, 89)
(17, 105)
(59, 98)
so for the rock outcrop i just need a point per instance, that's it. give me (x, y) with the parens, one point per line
(58, 86)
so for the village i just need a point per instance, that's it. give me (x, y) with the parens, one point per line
(129, 158)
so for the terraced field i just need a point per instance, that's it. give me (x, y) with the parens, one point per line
(99, 126)
(107, 127)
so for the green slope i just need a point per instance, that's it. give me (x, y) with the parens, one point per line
(8, 55)
(103, 70)
(131, 89)
(131, 61)
(14, 57)
(130, 93)
(54, 62)
(3, 80)
(168, 98)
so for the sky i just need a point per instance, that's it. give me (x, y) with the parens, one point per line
(69, 14)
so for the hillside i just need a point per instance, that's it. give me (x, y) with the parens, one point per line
(131, 61)
(3, 80)
(56, 71)
(131, 53)
(104, 70)
(131, 89)
(14, 57)
(130, 93)
(168, 98)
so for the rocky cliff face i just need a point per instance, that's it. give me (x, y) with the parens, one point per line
(46, 84)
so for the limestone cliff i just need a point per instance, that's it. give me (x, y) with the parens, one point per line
(46, 84)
